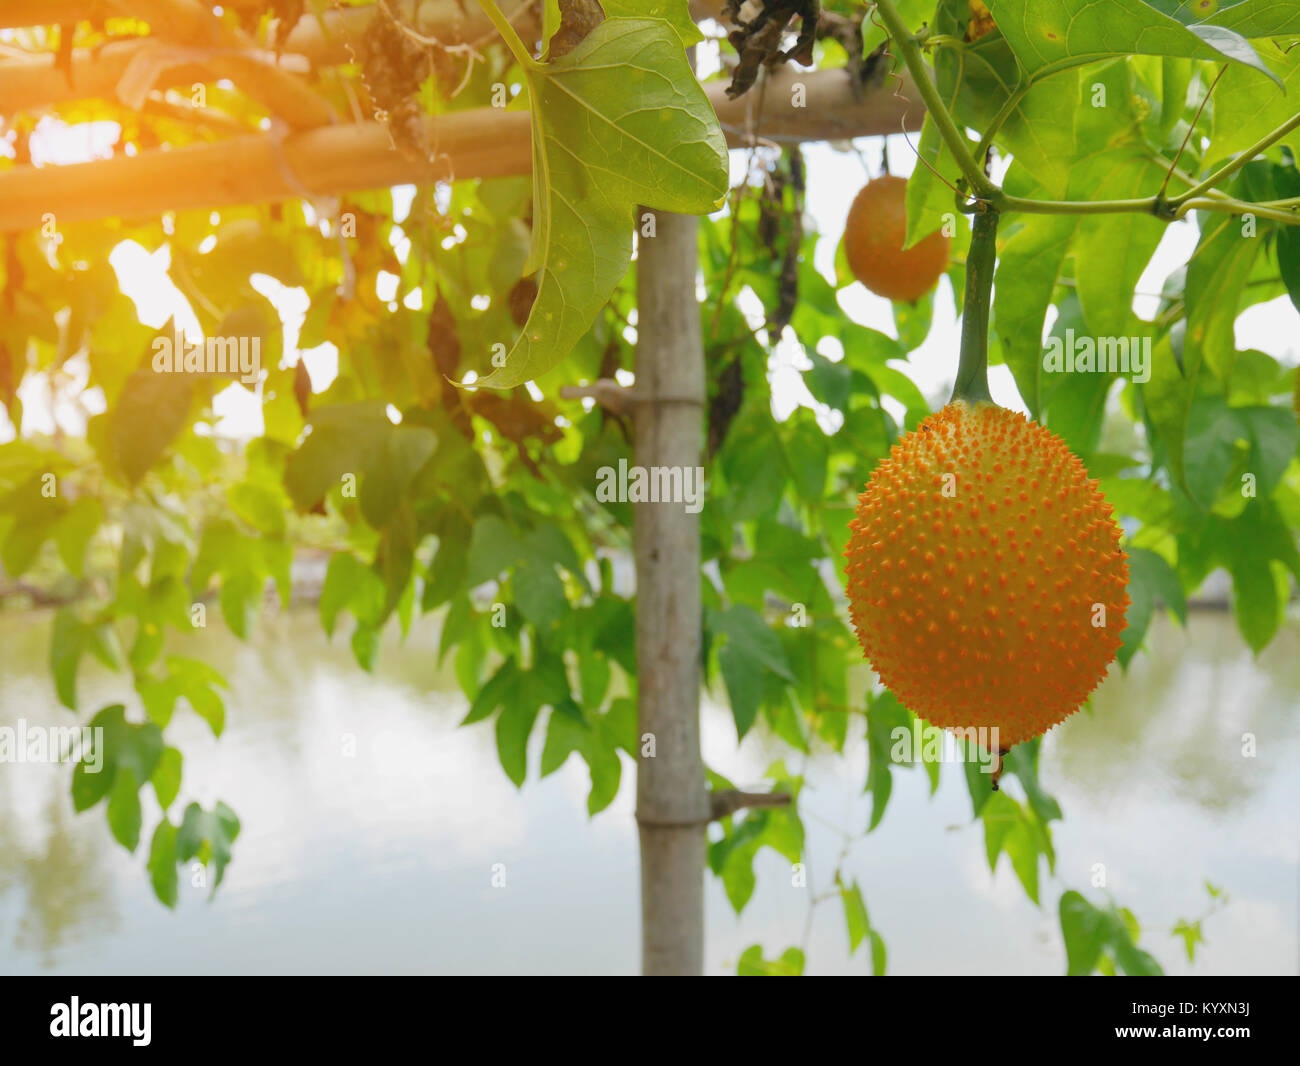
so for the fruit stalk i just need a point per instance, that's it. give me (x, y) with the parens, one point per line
(973, 368)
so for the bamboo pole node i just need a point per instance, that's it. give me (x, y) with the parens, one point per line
(619, 399)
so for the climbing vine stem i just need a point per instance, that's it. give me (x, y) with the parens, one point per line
(973, 368)
(986, 192)
(508, 34)
(942, 118)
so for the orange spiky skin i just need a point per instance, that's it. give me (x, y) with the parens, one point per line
(978, 566)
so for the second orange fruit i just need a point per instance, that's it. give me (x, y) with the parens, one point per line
(873, 244)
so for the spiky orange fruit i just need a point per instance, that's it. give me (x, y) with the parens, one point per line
(873, 244)
(985, 578)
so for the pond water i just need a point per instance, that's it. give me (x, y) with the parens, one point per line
(381, 862)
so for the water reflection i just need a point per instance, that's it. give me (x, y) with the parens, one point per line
(53, 877)
(372, 826)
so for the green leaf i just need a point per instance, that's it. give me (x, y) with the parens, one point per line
(166, 777)
(1245, 111)
(493, 548)
(1086, 931)
(752, 964)
(807, 455)
(878, 955)
(1167, 400)
(1131, 959)
(392, 468)
(930, 194)
(566, 734)
(1255, 602)
(884, 718)
(618, 122)
(1150, 576)
(73, 532)
(744, 688)
(207, 835)
(755, 467)
(258, 506)
(1042, 35)
(502, 688)
(1209, 449)
(1028, 267)
(1112, 251)
(395, 559)
(1191, 934)
(1008, 827)
(124, 817)
(36, 515)
(539, 593)
(1274, 435)
(1250, 18)
(1023, 762)
(149, 415)
(513, 729)
(350, 585)
(677, 13)
(115, 744)
(855, 915)
(754, 639)
(1216, 275)
(67, 642)
(198, 683)
(365, 645)
(913, 321)
(162, 863)
(751, 650)
(343, 440)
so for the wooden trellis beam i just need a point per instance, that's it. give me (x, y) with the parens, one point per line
(31, 83)
(324, 40)
(481, 143)
(189, 22)
(15, 14)
(430, 16)
(259, 168)
(35, 83)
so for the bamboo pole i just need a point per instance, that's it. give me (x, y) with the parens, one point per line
(481, 143)
(672, 804)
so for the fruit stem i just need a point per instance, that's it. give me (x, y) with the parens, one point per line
(972, 370)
